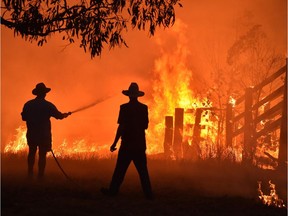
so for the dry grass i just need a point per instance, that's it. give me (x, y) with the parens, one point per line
(181, 188)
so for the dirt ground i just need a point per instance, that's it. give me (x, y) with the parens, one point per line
(180, 187)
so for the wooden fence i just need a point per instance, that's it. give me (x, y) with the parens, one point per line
(260, 117)
(256, 118)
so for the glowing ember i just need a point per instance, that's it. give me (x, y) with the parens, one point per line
(232, 101)
(272, 199)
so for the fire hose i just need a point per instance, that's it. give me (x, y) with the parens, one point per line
(64, 173)
(77, 110)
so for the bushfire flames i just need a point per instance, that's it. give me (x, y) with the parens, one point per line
(172, 80)
(172, 88)
(78, 149)
(272, 199)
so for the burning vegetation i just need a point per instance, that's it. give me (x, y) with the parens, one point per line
(79, 149)
(206, 131)
(193, 129)
(272, 199)
(187, 125)
(243, 126)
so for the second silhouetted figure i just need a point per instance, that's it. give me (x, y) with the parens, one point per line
(133, 121)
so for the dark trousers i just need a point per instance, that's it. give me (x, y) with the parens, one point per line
(123, 161)
(41, 161)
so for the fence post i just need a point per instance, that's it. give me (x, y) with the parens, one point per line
(229, 125)
(248, 126)
(282, 157)
(168, 137)
(197, 132)
(178, 132)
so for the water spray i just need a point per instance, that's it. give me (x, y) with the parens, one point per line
(92, 104)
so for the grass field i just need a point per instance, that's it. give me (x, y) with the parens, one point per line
(180, 187)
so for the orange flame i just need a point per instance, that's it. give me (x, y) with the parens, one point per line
(272, 199)
(172, 89)
(19, 144)
(78, 148)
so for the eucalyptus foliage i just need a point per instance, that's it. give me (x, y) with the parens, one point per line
(95, 22)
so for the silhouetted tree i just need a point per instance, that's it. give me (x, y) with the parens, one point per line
(94, 22)
(252, 58)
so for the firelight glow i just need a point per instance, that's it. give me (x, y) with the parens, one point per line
(169, 67)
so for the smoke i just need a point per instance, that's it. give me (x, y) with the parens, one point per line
(206, 27)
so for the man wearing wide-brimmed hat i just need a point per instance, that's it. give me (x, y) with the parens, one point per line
(133, 121)
(37, 113)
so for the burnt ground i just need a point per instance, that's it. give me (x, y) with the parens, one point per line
(181, 188)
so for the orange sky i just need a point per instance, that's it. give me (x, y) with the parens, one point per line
(76, 80)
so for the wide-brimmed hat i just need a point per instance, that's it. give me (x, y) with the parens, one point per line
(133, 91)
(40, 89)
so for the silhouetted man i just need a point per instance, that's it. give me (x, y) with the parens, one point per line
(37, 113)
(133, 121)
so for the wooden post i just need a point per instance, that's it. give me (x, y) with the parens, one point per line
(282, 157)
(229, 125)
(178, 132)
(248, 126)
(168, 138)
(197, 132)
